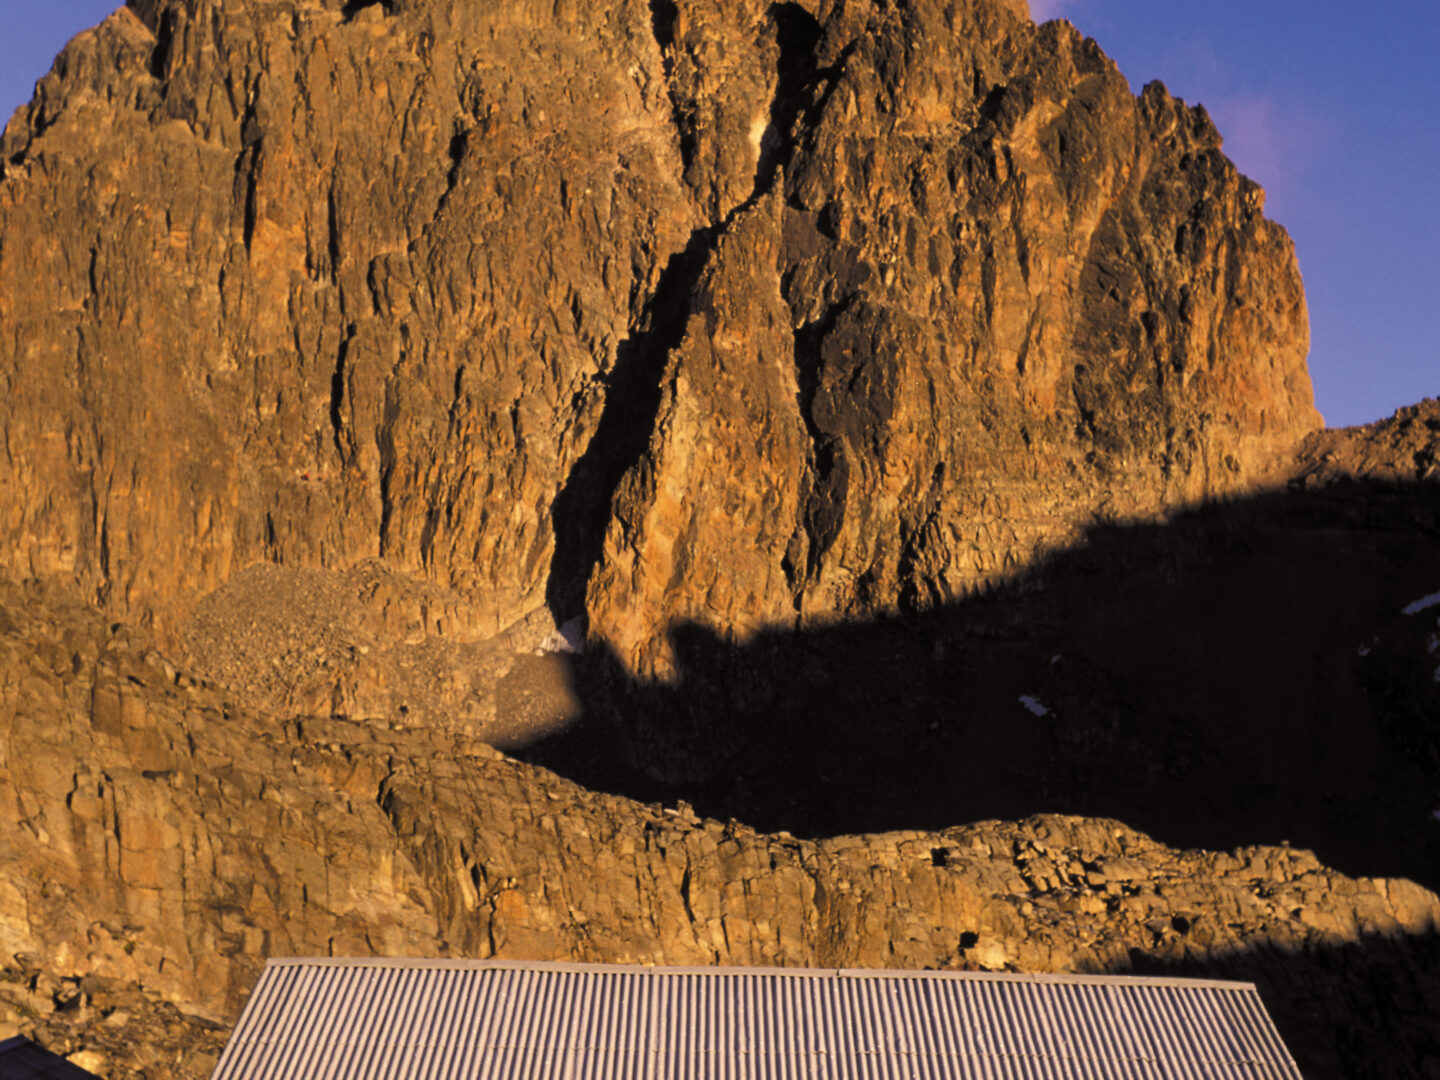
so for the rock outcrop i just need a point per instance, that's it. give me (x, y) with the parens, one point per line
(986, 295)
(1405, 449)
(828, 372)
(169, 842)
(748, 314)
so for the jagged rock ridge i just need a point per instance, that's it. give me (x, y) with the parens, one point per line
(747, 314)
(346, 350)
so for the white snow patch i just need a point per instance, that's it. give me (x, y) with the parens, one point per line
(1421, 604)
(1033, 704)
(1055, 659)
(1364, 650)
(1433, 645)
(569, 637)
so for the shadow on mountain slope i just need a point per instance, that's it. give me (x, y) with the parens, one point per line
(1359, 1009)
(1242, 674)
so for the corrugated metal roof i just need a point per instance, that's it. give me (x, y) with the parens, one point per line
(486, 1020)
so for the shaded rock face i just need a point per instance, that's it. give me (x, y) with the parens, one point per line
(351, 354)
(170, 841)
(742, 314)
(1263, 669)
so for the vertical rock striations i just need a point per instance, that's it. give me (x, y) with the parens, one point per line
(749, 314)
(979, 296)
(352, 353)
(308, 284)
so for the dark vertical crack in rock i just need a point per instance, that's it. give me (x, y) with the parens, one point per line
(634, 388)
(829, 479)
(632, 400)
(663, 17)
(164, 42)
(337, 393)
(802, 89)
(797, 34)
(247, 170)
(389, 461)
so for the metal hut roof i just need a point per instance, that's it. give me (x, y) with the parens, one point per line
(487, 1020)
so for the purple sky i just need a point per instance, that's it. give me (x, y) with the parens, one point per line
(1332, 105)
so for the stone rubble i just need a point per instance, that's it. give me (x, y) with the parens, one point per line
(351, 351)
(171, 842)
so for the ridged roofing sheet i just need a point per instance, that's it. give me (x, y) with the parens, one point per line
(476, 1020)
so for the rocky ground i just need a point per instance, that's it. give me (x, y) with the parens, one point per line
(371, 644)
(172, 840)
(793, 429)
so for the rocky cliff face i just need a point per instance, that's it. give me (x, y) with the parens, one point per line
(985, 295)
(848, 376)
(747, 314)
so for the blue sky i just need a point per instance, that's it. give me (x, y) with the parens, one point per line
(1334, 107)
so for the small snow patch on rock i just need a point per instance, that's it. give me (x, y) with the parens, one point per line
(569, 637)
(1033, 704)
(1421, 604)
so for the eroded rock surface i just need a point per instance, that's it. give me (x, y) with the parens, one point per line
(849, 307)
(170, 842)
(350, 353)
(287, 284)
(1403, 449)
(371, 644)
(981, 295)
